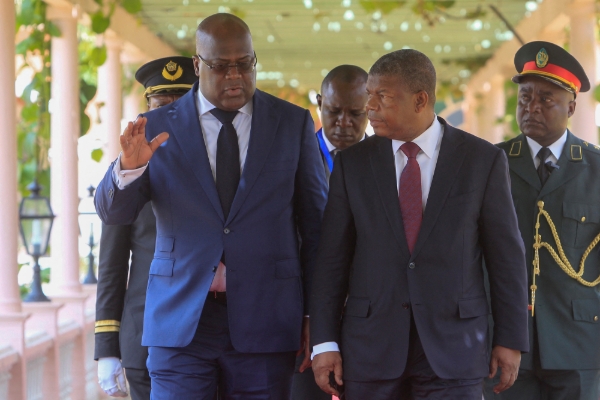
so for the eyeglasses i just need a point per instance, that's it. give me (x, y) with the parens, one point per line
(243, 67)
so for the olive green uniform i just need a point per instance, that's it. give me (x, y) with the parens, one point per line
(564, 361)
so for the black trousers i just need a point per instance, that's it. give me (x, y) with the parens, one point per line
(418, 382)
(139, 383)
(210, 360)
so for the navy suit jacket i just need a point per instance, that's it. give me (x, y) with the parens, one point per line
(364, 257)
(282, 192)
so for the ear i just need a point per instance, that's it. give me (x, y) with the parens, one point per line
(196, 65)
(421, 99)
(319, 100)
(572, 106)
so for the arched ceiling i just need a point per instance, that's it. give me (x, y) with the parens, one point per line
(298, 41)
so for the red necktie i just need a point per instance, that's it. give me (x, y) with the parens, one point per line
(410, 195)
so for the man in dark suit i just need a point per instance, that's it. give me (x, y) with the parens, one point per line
(399, 287)
(121, 291)
(238, 178)
(554, 171)
(342, 104)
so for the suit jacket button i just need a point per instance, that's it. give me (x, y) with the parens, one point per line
(405, 306)
(411, 265)
(226, 231)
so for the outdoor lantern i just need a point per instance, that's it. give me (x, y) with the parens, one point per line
(35, 219)
(90, 228)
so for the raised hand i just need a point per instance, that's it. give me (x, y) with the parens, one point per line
(136, 150)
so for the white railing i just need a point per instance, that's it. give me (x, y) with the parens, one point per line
(91, 385)
(35, 378)
(66, 367)
(46, 352)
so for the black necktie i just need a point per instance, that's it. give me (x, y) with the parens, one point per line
(228, 159)
(543, 170)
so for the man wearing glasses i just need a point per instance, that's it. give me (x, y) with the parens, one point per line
(239, 176)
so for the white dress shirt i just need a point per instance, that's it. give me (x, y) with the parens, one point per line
(429, 142)
(331, 147)
(556, 149)
(210, 131)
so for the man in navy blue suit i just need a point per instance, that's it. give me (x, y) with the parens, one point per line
(233, 175)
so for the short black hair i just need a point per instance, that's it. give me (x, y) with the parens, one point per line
(413, 68)
(344, 73)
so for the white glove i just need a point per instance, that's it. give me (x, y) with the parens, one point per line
(111, 377)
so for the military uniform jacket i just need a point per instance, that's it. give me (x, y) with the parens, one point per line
(116, 298)
(566, 312)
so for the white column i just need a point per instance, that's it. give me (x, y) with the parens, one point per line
(109, 80)
(497, 108)
(12, 320)
(582, 47)
(10, 300)
(63, 135)
(469, 107)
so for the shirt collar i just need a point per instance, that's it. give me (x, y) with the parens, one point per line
(331, 147)
(205, 106)
(427, 140)
(556, 148)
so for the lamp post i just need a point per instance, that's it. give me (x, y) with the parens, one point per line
(89, 224)
(35, 222)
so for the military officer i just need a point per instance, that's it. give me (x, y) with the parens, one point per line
(120, 303)
(555, 180)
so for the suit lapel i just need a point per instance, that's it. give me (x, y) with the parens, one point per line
(384, 172)
(571, 163)
(265, 121)
(446, 170)
(186, 130)
(521, 163)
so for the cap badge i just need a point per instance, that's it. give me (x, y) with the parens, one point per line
(541, 59)
(168, 70)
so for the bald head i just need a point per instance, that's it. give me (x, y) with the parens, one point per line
(345, 74)
(219, 26)
(225, 61)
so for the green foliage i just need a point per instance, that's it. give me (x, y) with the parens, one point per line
(132, 6)
(33, 128)
(385, 7)
(597, 93)
(97, 154)
(510, 113)
(100, 22)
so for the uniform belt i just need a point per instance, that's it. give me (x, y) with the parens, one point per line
(218, 297)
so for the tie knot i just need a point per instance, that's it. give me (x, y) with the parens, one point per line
(410, 149)
(224, 117)
(543, 154)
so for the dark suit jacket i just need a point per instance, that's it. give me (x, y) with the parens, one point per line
(363, 254)
(282, 191)
(566, 312)
(120, 299)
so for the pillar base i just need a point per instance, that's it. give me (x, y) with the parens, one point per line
(12, 326)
